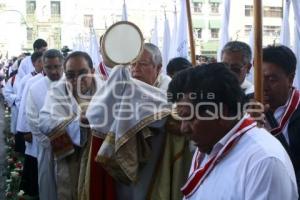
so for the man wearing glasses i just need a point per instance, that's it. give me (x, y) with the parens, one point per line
(237, 55)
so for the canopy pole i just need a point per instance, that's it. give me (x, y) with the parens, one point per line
(258, 75)
(190, 25)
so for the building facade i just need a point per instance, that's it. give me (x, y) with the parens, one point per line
(60, 22)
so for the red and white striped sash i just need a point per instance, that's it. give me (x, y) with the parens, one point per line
(292, 106)
(103, 71)
(200, 173)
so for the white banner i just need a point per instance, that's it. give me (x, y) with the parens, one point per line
(285, 27)
(166, 45)
(224, 33)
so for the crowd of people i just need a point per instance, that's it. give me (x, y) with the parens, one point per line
(113, 132)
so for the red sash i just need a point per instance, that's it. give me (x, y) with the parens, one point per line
(103, 71)
(292, 106)
(200, 173)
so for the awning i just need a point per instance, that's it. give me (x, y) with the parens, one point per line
(198, 23)
(215, 1)
(210, 46)
(214, 23)
(198, 1)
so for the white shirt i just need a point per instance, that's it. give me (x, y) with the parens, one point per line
(35, 101)
(25, 67)
(22, 123)
(257, 168)
(10, 95)
(163, 82)
(247, 86)
(278, 114)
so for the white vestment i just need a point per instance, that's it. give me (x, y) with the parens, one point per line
(60, 106)
(122, 108)
(257, 168)
(10, 95)
(25, 67)
(163, 82)
(22, 124)
(46, 176)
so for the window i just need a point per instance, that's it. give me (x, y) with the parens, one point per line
(57, 37)
(271, 31)
(198, 32)
(30, 7)
(214, 33)
(214, 7)
(272, 11)
(29, 34)
(55, 8)
(197, 7)
(248, 10)
(88, 20)
(248, 29)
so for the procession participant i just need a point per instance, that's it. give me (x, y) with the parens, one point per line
(136, 147)
(237, 55)
(26, 65)
(105, 65)
(29, 180)
(283, 115)
(176, 65)
(235, 156)
(63, 120)
(10, 95)
(148, 67)
(53, 70)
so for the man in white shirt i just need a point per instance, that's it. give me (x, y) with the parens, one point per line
(237, 55)
(283, 116)
(53, 69)
(26, 65)
(234, 158)
(29, 176)
(10, 95)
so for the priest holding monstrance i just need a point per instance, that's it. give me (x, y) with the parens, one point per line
(130, 121)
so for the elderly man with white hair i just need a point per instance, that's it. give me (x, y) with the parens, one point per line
(148, 68)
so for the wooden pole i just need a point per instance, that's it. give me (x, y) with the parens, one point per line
(190, 25)
(258, 75)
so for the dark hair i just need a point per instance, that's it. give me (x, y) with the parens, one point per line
(53, 53)
(178, 64)
(35, 56)
(214, 78)
(281, 56)
(80, 54)
(39, 43)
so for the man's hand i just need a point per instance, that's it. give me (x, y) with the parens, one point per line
(83, 120)
(28, 137)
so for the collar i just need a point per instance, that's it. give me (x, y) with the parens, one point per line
(225, 138)
(280, 110)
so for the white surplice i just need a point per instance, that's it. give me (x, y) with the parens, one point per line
(22, 123)
(257, 168)
(25, 67)
(10, 95)
(162, 82)
(46, 176)
(60, 105)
